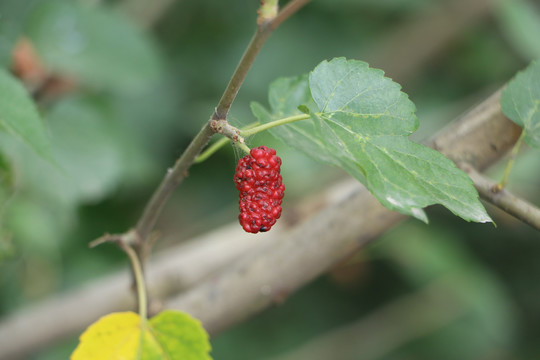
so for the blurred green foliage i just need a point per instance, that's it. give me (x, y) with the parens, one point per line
(519, 20)
(19, 116)
(98, 46)
(143, 93)
(519, 102)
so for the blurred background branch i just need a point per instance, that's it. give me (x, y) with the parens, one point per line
(503, 199)
(386, 329)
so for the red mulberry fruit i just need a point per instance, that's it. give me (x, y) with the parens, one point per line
(261, 189)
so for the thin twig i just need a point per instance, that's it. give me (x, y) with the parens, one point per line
(103, 239)
(257, 129)
(172, 179)
(289, 9)
(503, 199)
(261, 35)
(219, 144)
(136, 266)
(240, 73)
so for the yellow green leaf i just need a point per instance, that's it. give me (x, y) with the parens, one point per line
(114, 336)
(169, 335)
(176, 335)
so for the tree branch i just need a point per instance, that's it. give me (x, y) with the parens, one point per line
(286, 12)
(503, 199)
(172, 179)
(264, 29)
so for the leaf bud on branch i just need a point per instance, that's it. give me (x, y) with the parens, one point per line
(224, 128)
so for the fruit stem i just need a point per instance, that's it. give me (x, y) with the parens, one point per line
(242, 146)
(219, 144)
(211, 150)
(249, 130)
(263, 127)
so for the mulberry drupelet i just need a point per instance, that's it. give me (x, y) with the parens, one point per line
(261, 189)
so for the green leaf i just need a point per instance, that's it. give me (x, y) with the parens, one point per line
(179, 336)
(7, 189)
(169, 335)
(361, 122)
(19, 116)
(520, 102)
(7, 250)
(96, 45)
(520, 22)
(86, 147)
(12, 14)
(7, 182)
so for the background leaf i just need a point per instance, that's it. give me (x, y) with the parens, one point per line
(12, 14)
(520, 102)
(7, 188)
(19, 116)
(361, 124)
(169, 335)
(85, 147)
(7, 181)
(95, 44)
(520, 21)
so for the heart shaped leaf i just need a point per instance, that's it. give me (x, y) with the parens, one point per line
(169, 335)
